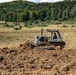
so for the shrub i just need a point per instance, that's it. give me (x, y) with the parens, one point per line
(6, 25)
(72, 25)
(64, 26)
(28, 23)
(52, 22)
(57, 22)
(36, 22)
(18, 28)
(30, 26)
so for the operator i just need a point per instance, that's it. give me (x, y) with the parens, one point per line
(54, 36)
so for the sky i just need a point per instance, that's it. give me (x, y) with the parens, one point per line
(36, 1)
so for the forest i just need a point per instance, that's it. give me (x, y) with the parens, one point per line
(24, 11)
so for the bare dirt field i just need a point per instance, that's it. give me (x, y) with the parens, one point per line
(17, 58)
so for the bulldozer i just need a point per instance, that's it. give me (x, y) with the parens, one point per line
(43, 42)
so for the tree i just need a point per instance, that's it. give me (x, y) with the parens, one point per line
(33, 16)
(73, 12)
(69, 0)
(59, 16)
(52, 14)
(65, 15)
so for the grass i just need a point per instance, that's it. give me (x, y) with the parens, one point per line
(10, 37)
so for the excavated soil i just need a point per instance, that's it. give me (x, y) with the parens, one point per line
(26, 61)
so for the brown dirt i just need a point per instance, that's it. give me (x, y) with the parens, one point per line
(25, 61)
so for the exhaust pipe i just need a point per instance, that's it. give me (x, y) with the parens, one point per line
(42, 32)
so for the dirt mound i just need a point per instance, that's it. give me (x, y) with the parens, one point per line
(26, 61)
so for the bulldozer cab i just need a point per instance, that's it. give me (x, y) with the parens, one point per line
(55, 35)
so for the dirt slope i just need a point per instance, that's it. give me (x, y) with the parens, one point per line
(26, 61)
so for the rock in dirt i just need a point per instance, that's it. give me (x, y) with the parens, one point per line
(1, 58)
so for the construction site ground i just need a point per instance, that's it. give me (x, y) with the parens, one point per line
(17, 58)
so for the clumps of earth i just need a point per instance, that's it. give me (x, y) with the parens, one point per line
(24, 60)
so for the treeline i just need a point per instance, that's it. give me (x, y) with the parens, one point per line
(21, 11)
(69, 0)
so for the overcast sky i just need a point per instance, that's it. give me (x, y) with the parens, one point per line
(33, 0)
